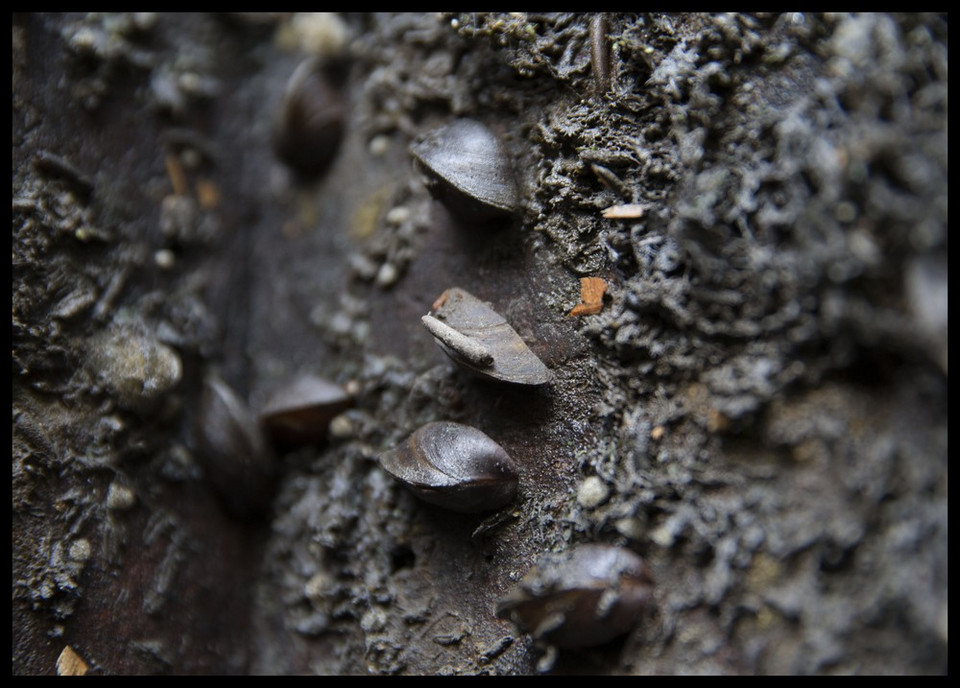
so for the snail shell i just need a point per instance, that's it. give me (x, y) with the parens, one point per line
(454, 466)
(300, 412)
(233, 451)
(466, 167)
(310, 126)
(586, 596)
(478, 338)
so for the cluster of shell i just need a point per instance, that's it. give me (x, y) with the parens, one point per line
(236, 446)
(585, 596)
(453, 465)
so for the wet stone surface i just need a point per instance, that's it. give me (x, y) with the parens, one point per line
(756, 404)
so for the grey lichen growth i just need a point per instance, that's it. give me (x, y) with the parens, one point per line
(135, 367)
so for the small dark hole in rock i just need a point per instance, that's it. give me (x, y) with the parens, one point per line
(402, 557)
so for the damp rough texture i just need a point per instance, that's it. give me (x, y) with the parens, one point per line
(758, 409)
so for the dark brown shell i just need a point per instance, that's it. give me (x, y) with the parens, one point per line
(454, 466)
(466, 167)
(300, 412)
(586, 596)
(511, 360)
(233, 452)
(311, 123)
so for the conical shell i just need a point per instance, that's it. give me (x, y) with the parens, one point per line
(312, 121)
(234, 453)
(586, 596)
(467, 168)
(510, 359)
(454, 466)
(300, 412)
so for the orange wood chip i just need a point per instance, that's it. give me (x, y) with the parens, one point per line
(69, 663)
(591, 296)
(438, 304)
(178, 178)
(207, 193)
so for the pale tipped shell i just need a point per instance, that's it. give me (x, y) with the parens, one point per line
(511, 360)
(454, 466)
(467, 168)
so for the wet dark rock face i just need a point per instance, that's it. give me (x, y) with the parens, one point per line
(758, 409)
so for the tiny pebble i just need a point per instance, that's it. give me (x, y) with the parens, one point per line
(341, 427)
(398, 215)
(387, 274)
(165, 259)
(379, 145)
(80, 550)
(592, 493)
(120, 497)
(629, 527)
